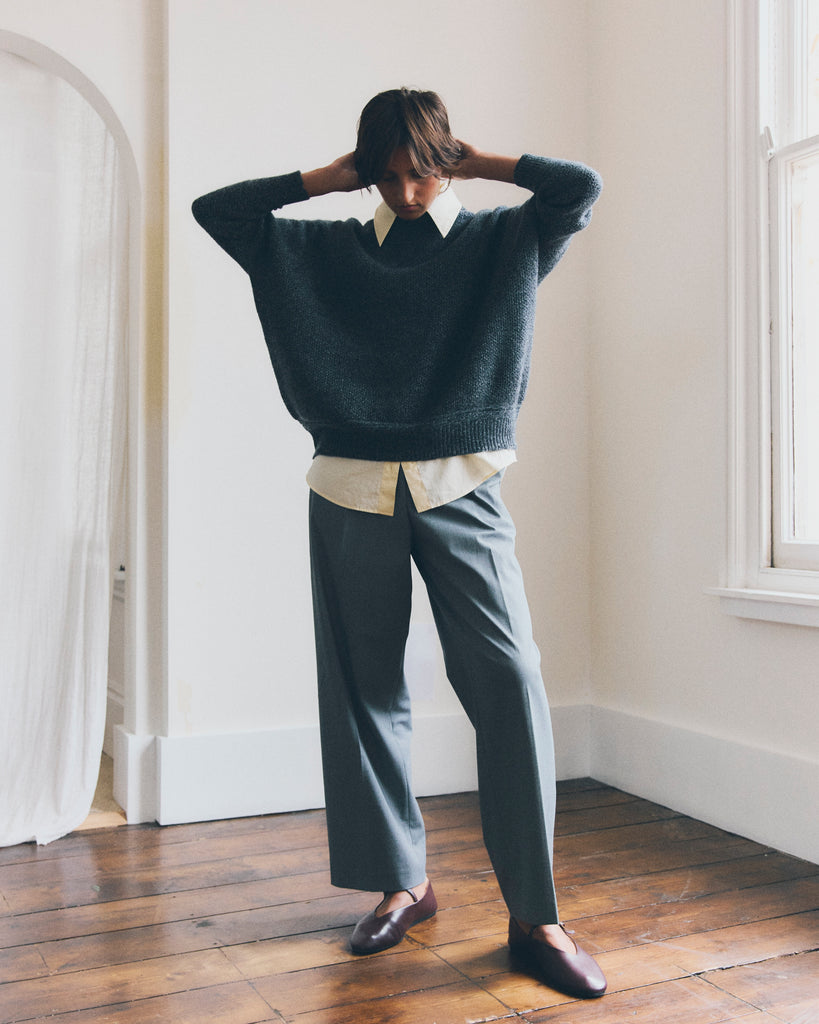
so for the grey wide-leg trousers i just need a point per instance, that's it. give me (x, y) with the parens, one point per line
(361, 579)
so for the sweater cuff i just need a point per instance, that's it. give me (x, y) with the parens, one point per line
(535, 172)
(292, 189)
(529, 171)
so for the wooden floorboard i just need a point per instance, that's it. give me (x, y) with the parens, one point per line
(235, 922)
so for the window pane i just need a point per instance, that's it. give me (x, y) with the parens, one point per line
(805, 351)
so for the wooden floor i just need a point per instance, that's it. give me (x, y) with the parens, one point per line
(235, 922)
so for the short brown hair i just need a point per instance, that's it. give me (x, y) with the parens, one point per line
(405, 117)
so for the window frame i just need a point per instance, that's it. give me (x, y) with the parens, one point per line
(751, 586)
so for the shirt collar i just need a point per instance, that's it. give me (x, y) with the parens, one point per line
(443, 211)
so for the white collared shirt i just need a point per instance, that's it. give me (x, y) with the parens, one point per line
(443, 210)
(369, 486)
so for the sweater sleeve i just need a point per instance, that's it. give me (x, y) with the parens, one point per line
(239, 216)
(564, 193)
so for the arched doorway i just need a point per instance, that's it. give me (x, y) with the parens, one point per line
(69, 311)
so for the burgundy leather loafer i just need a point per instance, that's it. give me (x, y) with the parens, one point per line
(574, 974)
(374, 933)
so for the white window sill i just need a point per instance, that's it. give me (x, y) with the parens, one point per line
(772, 605)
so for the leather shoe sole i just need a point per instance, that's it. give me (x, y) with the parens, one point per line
(374, 933)
(574, 974)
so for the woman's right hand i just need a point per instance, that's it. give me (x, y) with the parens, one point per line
(343, 169)
(339, 176)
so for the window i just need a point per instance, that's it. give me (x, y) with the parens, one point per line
(791, 101)
(772, 563)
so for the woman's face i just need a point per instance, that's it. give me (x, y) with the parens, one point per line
(407, 193)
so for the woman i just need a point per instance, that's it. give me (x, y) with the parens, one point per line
(403, 346)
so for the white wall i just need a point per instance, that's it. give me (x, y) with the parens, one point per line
(708, 713)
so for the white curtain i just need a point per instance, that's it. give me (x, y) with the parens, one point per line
(63, 290)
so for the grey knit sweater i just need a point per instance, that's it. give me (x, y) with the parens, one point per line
(417, 349)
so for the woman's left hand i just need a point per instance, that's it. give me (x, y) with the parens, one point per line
(467, 166)
(476, 164)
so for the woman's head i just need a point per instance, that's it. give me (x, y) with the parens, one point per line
(408, 119)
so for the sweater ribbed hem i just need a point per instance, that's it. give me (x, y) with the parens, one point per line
(415, 442)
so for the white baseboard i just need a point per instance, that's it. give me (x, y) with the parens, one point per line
(135, 775)
(232, 775)
(764, 795)
(571, 725)
(203, 778)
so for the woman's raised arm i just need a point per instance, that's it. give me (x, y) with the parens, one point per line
(491, 166)
(339, 176)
